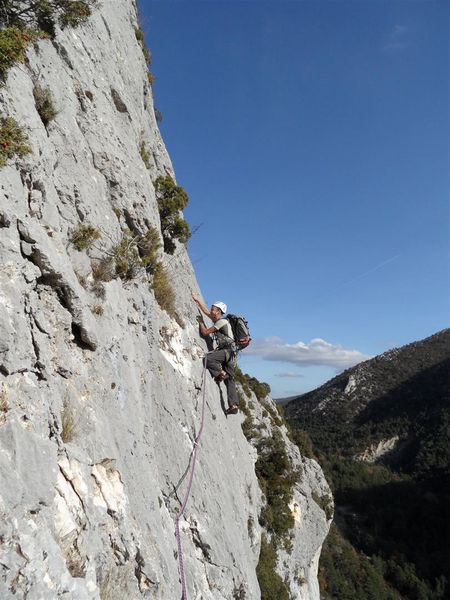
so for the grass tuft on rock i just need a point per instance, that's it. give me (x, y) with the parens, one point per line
(44, 104)
(4, 403)
(163, 290)
(97, 309)
(69, 422)
(145, 155)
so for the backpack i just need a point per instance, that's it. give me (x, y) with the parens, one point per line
(240, 329)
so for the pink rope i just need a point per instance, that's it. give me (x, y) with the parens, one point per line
(188, 491)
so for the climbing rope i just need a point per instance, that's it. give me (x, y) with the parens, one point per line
(188, 490)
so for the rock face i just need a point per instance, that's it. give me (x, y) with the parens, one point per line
(99, 389)
(376, 451)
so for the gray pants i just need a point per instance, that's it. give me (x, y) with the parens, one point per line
(224, 359)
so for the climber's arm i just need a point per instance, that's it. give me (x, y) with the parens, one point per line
(201, 306)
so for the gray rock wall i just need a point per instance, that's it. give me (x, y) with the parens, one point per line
(98, 412)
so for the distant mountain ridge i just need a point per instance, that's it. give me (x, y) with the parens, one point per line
(378, 399)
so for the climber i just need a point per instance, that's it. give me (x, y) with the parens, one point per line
(221, 361)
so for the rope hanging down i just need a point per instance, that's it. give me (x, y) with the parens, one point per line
(188, 491)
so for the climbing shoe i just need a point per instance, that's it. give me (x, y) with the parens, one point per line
(221, 376)
(233, 410)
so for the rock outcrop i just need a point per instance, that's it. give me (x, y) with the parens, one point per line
(99, 387)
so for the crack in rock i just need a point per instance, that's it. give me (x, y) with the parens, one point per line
(144, 581)
(56, 278)
(200, 544)
(39, 366)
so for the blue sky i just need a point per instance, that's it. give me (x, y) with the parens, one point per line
(313, 140)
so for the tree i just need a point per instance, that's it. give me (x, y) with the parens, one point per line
(45, 14)
(172, 199)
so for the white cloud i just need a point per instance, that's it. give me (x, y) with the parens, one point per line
(318, 353)
(397, 39)
(289, 375)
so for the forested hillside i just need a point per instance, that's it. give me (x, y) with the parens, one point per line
(382, 432)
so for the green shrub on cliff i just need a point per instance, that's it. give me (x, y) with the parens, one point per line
(46, 14)
(84, 236)
(13, 45)
(277, 478)
(251, 384)
(125, 255)
(270, 583)
(149, 245)
(26, 22)
(145, 51)
(136, 253)
(13, 141)
(72, 13)
(140, 38)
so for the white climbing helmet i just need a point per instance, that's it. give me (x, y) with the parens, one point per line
(221, 305)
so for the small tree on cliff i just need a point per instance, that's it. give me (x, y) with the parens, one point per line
(172, 199)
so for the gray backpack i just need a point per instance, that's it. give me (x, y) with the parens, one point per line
(241, 331)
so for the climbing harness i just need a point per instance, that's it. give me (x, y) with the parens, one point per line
(188, 490)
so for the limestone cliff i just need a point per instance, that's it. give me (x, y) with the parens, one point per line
(99, 388)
